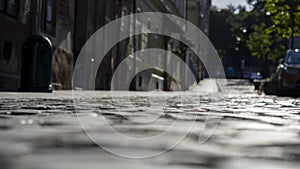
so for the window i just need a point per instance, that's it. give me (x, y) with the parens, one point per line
(109, 11)
(11, 7)
(2, 5)
(49, 16)
(7, 51)
(122, 20)
(293, 58)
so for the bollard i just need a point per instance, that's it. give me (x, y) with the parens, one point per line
(36, 65)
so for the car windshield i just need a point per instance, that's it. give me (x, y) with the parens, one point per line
(293, 58)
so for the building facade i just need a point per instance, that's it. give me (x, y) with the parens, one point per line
(13, 32)
(69, 24)
(194, 11)
(21, 18)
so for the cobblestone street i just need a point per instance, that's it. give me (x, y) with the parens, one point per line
(42, 131)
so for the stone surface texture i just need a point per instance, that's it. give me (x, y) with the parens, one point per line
(42, 131)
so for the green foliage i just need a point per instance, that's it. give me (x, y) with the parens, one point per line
(259, 42)
(285, 15)
(264, 41)
(240, 34)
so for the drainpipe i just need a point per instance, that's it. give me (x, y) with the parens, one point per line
(133, 87)
(33, 17)
(75, 53)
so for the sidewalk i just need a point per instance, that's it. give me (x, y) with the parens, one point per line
(207, 86)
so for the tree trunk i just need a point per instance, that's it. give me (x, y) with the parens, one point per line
(33, 17)
(264, 67)
(261, 65)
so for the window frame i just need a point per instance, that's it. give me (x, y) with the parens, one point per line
(52, 22)
(5, 8)
(16, 8)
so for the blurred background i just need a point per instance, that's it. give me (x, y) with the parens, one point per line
(249, 35)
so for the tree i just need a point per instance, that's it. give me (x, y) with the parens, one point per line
(259, 44)
(286, 18)
(275, 46)
(221, 38)
(239, 34)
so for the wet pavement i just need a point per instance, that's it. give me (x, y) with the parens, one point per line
(237, 127)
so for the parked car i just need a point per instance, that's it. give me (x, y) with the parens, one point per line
(255, 76)
(286, 80)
